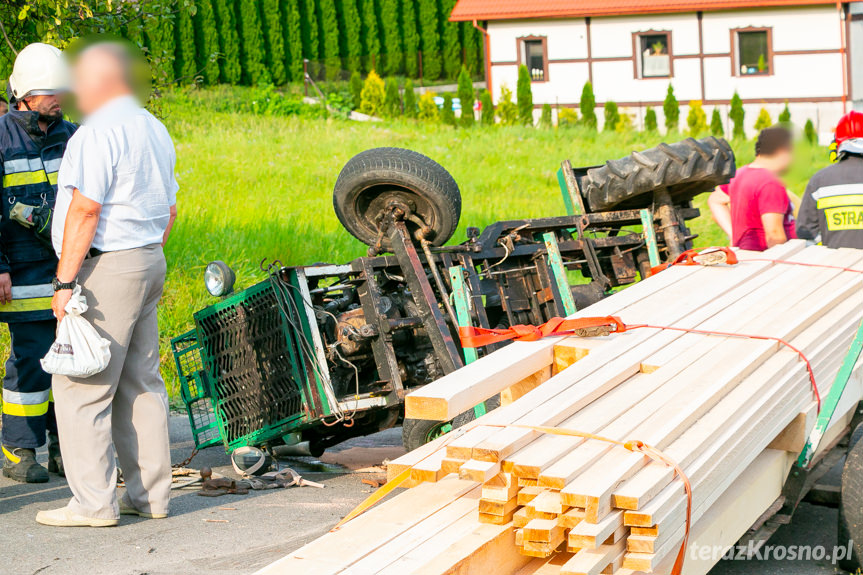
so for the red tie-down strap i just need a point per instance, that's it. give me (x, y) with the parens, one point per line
(599, 326)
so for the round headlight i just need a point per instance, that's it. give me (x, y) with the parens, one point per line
(219, 278)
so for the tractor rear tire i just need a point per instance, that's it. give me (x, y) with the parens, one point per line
(374, 178)
(851, 504)
(685, 169)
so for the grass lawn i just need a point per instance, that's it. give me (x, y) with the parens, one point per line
(257, 187)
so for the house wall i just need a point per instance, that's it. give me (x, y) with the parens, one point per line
(807, 65)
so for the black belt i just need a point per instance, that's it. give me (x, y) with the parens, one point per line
(94, 253)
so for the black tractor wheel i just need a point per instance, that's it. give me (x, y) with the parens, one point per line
(685, 169)
(851, 504)
(376, 180)
(418, 432)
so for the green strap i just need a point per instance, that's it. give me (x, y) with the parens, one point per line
(555, 263)
(829, 403)
(650, 237)
(462, 314)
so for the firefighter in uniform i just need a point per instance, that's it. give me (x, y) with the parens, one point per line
(33, 137)
(832, 208)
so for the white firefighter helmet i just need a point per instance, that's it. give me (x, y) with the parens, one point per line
(40, 69)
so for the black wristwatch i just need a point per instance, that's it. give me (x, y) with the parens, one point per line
(59, 286)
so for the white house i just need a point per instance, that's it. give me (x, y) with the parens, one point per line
(771, 52)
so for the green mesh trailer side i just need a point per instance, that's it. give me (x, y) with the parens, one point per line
(249, 347)
(194, 391)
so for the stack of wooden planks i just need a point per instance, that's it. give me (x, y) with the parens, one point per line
(503, 496)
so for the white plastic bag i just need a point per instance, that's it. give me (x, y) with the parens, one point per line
(79, 350)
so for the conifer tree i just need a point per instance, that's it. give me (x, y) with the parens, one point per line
(763, 121)
(716, 127)
(524, 96)
(370, 35)
(410, 37)
(809, 132)
(587, 106)
(185, 66)
(785, 115)
(650, 123)
(545, 117)
(274, 36)
(159, 36)
(410, 99)
(696, 119)
(671, 107)
(392, 99)
(466, 97)
(293, 40)
(452, 56)
(349, 30)
(373, 95)
(392, 36)
(206, 42)
(472, 49)
(612, 116)
(487, 113)
(329, 37)
(309, 29)
(229, 42)
(429, 19)
(356, 88)
(737, 114)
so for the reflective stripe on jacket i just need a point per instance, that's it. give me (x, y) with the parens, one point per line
(29, 161)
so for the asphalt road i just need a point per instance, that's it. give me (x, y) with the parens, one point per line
(237, 535)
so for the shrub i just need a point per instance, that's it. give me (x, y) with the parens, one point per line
(207, 41)
(329, 37)
(447, 115)
(588, 106)
(309, 29)
(737, 114)
(486, 116)
(785, 115)
(763, 121)
(427, 108)
(671, 107)
(429, 20)
(410, 38)
(410, 99)
(356, 88)
(372, 97)
(391, 34)
(371, 35)
(452, 53)
(696, 119)
(229, 43)
(650, 123)
(612, 116)
(392, 99)
(293, 40)
(524, 96)
(506, 108)
(809, 132)
(624, 124)
(716, 127)
(545, 117)
(465, 95)
(184, 54)
(350, 35)
(567, 117)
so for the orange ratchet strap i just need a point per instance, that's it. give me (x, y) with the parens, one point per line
(593, 326)
(706, 257)
(586, 327)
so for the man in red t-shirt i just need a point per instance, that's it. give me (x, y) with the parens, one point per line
(754, 209)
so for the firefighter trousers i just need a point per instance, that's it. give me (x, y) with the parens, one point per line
(28, 408)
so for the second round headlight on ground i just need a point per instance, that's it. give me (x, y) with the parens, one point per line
(219, 278)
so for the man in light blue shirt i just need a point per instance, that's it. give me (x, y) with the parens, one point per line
(115, 206)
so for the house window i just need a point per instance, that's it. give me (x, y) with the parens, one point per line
(653, 54)
(753, 52)
(533, 53)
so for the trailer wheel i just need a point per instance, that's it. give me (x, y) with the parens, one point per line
(375, 179)
(851, 504)
(418, 432)
(685, 169)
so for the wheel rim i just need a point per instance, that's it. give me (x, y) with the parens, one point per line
(438, 430)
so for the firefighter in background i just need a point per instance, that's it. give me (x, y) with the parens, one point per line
(831, 211)
(33, 137)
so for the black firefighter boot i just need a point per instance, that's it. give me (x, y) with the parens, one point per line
(55, 460)
(21, 465)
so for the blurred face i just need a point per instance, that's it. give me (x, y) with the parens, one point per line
(89, 86)
(48, 107)
(784, 159)
(4, 107)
